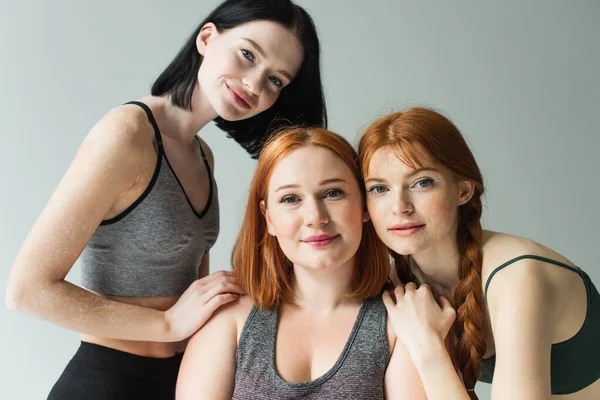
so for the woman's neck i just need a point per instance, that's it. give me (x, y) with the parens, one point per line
(183, 125)
(437, 266)
(323, 290)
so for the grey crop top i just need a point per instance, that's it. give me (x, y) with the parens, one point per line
(153, 248)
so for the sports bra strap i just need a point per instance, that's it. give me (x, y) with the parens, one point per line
(151, 119)
(539, 258)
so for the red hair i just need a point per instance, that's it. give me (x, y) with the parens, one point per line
(257, 261)
(420, 136)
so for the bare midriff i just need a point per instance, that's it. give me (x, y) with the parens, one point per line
(141, 348)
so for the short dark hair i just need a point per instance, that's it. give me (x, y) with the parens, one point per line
(301, 102)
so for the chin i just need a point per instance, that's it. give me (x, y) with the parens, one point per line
(229, 113)
(319, 264)
(404, 247)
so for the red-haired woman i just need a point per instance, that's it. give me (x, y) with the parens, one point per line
(527, 319)
(313, 325)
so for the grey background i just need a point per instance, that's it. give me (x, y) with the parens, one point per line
(519, 78)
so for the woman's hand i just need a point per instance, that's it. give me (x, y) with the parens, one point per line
(417, 318)
(197, 304)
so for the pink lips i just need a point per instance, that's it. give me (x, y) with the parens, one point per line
(406, 229)
(240, 98)
(320, 240)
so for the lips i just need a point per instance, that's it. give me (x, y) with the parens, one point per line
(406, 229)
(320, 240)
(239, 97)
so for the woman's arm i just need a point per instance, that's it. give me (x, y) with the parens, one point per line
(520, 302)
(422, 326)
(208, 367)
(402, 379)
(107, 165)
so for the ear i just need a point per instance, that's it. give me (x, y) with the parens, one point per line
(206, 32)
(366, 216)
(466, 190)
(265, 213)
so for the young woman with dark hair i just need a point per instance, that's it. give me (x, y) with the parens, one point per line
(139, 207)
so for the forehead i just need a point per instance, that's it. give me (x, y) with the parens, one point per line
(280, 44)
(388, 160)
(307, 166)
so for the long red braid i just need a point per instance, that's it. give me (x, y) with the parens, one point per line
(418, 136)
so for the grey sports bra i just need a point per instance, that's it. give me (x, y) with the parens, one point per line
(153, 248)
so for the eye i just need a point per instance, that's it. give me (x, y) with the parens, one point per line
(276, 81)
(291, 199)
(334, 193)
(378, 189)
(248, 55)
(424, 183)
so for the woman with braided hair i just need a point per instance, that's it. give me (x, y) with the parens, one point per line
(527, 320)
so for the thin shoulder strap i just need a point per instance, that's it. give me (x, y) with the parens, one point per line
(201, 149)
(208, 167)
(151, 119)
(539, 258)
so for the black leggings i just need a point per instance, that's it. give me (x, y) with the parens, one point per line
(100, 373)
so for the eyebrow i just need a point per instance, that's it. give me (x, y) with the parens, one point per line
(416, 171)
(324, 182)
(262, 53)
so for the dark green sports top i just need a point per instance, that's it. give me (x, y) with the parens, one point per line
(575, 363)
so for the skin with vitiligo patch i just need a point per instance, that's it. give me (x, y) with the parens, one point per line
(114, 166)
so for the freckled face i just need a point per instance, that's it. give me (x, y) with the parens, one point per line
(413, 209)
(315, 208)
(245, 68)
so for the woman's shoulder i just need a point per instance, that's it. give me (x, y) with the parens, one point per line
(128, 125)
(227, 321)
(234, 314)
(240, 310)
(501, 250)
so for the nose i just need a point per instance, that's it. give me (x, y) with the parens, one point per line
(315, 214)
(254, 82)
(402, 203)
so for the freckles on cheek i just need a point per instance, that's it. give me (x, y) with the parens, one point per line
(377, 211)
(437, 207)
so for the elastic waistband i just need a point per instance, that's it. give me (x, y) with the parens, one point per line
(127, 363)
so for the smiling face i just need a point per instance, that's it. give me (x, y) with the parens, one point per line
(314, 208)
(413, 210)
(245, 68)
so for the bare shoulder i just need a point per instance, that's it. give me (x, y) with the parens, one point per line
(208, 153)
(232, 316)
(533, 276)
(127, 124)
(122, 144)
(240, 310)
(499, 248)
